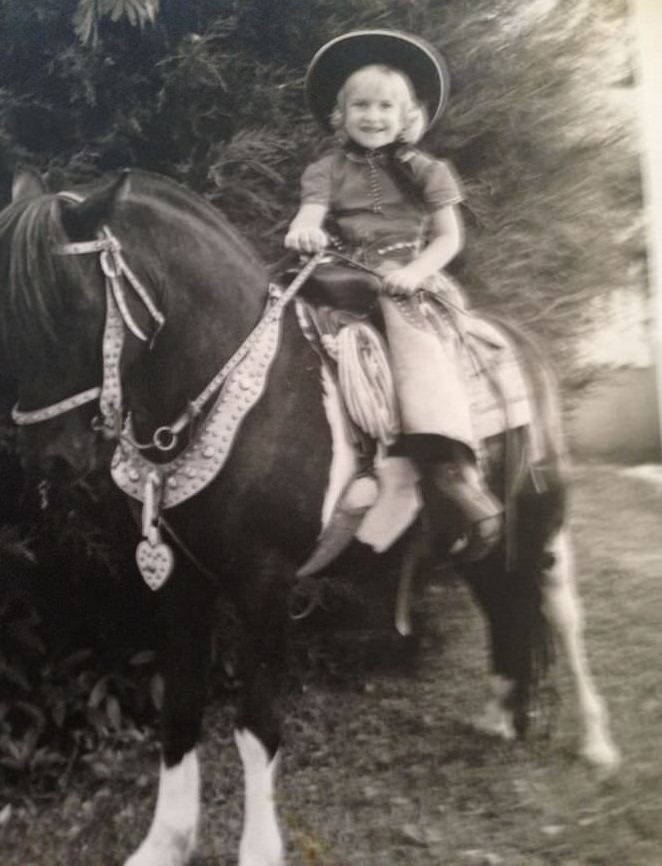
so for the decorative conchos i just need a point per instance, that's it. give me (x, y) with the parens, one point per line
(155, 561)
(203, 459)
(110, 399)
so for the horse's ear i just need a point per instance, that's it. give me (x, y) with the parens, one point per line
(82, 219)
(27, 183)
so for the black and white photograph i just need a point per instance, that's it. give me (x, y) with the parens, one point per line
(330, 451)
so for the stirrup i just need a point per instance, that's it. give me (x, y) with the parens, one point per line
(473, 500)
(473, 546)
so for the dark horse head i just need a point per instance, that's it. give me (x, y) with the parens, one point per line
(53, 300)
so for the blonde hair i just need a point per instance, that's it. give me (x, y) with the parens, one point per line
(414, 114)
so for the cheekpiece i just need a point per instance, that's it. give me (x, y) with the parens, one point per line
(338, 59)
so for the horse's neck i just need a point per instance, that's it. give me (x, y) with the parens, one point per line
(212, 302)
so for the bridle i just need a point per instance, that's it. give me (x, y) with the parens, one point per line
(118, 276)
(119, 280)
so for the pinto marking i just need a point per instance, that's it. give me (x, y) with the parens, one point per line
(563, 608)
(497, 718)
(173, 835)
(261, 842)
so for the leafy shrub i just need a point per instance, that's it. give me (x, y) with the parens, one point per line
(76, 660)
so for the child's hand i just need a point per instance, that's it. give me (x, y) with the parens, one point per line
(402, 281)
(306, 240)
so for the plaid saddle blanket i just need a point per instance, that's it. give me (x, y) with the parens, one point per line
(499, 394)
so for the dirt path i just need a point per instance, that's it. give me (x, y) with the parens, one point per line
(385, 770)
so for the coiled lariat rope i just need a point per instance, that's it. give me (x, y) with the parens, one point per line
(366, 382)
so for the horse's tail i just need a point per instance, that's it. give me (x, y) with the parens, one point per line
(522, 644)
(543, 388)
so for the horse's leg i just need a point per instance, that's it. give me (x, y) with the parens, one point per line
(563, 607)
(186, 618)
(512, 604)
(509, 586)
(497, 717)
(258, 728)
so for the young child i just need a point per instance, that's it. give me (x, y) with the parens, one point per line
(395, 210)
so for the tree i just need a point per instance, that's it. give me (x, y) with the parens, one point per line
(90, 12)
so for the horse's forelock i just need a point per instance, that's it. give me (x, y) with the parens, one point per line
(32, 305)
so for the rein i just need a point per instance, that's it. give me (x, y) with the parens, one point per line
(273, 311)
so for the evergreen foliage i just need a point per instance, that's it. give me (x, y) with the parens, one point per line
(540, 123)
(540, 126)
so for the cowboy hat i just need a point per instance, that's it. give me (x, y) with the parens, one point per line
(338, 59)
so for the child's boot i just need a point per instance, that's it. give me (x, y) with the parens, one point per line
(460, 484)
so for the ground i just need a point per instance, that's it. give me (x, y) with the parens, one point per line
(384, 770)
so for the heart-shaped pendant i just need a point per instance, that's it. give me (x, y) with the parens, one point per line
(155, 562)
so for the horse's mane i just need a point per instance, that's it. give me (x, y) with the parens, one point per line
(28, 306)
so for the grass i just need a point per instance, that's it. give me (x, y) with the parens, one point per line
(384, 770)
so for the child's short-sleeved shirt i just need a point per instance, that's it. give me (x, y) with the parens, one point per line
(368, 202)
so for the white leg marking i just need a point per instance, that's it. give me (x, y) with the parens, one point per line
(343, 460)
(172, 837)
(261, 843)
(496, 718)
(563, 609)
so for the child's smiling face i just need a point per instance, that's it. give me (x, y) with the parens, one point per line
(375, 106)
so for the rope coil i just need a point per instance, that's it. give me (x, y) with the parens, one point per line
(366, 382)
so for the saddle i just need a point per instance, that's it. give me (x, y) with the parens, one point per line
(343, 286)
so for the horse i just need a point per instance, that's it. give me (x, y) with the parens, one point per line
(195, 316)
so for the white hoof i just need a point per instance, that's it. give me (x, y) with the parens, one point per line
(495, 721)
(260, 857)
(261, 843)
(602, 754)
(165, 848)
(502, 728)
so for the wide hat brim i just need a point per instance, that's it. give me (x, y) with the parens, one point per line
(338, 59)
